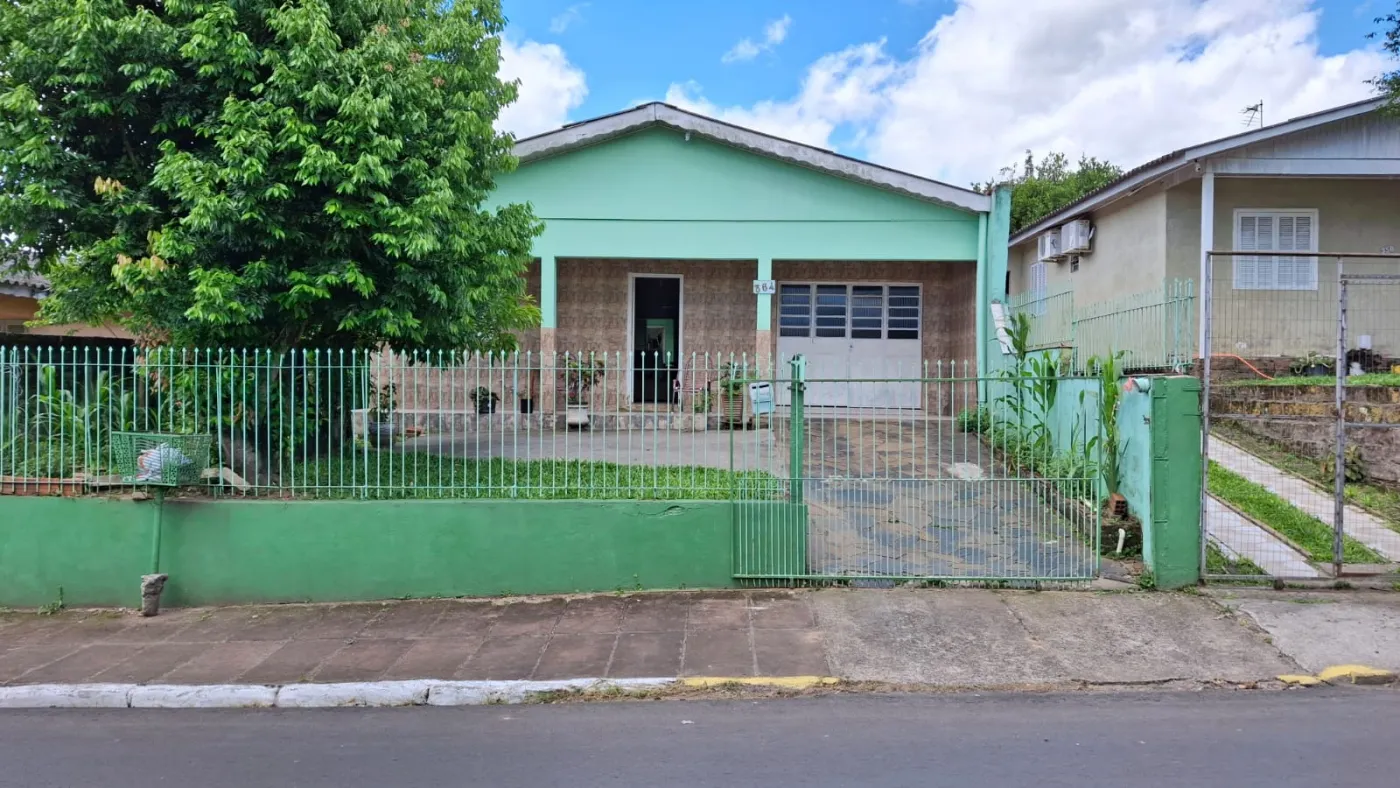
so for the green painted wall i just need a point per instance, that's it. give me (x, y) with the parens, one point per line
(655, 194)
(1175, 552)
(254, 551)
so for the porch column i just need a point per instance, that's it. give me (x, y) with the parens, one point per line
(1207, 244)
(549, 317)
(763, 334)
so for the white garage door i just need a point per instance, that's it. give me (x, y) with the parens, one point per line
(853, 331)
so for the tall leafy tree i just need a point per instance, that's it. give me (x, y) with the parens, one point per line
(1038, 189)
(1389, 34)
(265, 172)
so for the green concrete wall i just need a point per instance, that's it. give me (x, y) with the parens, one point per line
(219, 552)
(655, 194)
(1175, 543)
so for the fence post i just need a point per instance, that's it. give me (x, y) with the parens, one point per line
(1339, 484)
(1177, 484)
(797, 427)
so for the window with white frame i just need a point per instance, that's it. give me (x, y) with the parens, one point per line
(1258, 230)
(1038, 288)
(849, 311)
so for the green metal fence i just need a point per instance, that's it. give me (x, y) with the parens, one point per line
(1153, 329)
(966, 479)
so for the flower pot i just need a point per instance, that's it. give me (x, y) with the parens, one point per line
(576, 416)
(527, 405)
(732, 413)
(486, 406)
(381, 433)
(1317, 371)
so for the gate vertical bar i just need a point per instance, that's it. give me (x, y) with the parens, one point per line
(1339, 487)
(797, 428)
(1204, 353)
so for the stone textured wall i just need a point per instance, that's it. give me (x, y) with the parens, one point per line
(1300, 418)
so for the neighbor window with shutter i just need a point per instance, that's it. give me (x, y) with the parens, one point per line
(1275, 231)
(1038, 288)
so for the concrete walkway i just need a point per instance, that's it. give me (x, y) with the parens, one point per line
(1360, 525)
(1323, 628)
(960, 638)
(1239, 537)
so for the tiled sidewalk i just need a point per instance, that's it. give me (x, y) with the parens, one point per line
(614, 636)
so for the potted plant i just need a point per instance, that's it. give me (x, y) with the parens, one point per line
(380, 428)
(485, 400)
(580, 376)
(527, 399)
(731, 389)
(1312, 365)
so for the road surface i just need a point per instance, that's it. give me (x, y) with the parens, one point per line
(1315, 738)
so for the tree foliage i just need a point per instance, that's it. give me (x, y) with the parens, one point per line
(265, 172)
(1389, 34)
(1040, 189)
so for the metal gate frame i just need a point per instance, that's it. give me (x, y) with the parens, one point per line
(1339, 407)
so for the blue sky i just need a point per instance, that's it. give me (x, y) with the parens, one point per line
(869, 79)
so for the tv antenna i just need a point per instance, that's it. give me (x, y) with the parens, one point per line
(1252, 113)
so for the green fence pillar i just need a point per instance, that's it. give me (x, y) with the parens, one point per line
(797, 427)
(1174, 546)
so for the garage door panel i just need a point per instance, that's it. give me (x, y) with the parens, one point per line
(853, 331)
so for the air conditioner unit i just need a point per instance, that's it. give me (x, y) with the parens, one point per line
(1048, 246)
(1075, 237)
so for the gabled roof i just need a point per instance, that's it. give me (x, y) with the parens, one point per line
(17, 275)
(1137, 178)
(601, 129)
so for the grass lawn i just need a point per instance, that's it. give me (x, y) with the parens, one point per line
(1383, 502)
(1378, 379)
(383, 475)
(1306, 531)
(1218, 564)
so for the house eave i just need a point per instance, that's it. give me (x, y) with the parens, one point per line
(601, 129)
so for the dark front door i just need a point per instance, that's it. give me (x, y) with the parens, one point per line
(656, 337)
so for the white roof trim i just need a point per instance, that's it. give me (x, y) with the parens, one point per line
(1172, 161)
(600, 129)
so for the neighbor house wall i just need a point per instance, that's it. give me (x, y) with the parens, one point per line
(1129, 254)
(18, 308)
(1353, 215)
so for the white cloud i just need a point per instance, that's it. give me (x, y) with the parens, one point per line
(841, 87)
(1117, 79)
(563, 20)
(774, 33)
(550, 86)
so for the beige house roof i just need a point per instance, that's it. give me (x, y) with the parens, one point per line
(1140, 177)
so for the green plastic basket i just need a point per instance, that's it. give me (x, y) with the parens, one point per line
(162, 459)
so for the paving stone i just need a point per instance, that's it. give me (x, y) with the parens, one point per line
(465, 619)
(527, 618)
(214, 625)
(294, 661)
(405, 620)
(647, 655)
(37, 630)
(276, 623)
(790, 652)
(505, 658)
(707, 614)
(434, 658)
(656, 614)
(591, 615)
(152, 662)
(363, 660)
(718, 653)
(576, 656)
(99, 628)
(15, 662)
(340, 621)
(80, 666)
(783, 614)
(224, 664)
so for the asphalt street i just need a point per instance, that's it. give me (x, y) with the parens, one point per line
(1326, 737)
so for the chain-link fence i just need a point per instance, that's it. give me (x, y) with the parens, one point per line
(1302, 387)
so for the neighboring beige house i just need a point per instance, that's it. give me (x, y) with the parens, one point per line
(1323, 183)
(20, 293)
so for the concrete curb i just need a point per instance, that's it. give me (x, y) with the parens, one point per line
(307, 696)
